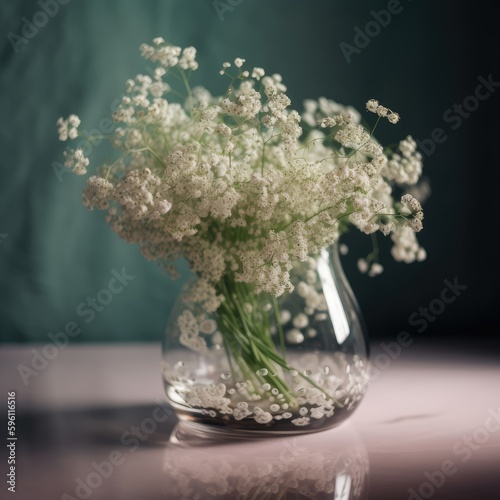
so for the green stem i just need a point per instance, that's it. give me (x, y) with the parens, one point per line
(279, 325)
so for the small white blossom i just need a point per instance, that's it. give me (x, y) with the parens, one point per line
(382, 111)
(421, 254)
(375, 270)
(300, 321)
(258, 73)
(327, 122)
(68, 129)
(393, 118)
(363, 265)
(372, 105)
(285, 316)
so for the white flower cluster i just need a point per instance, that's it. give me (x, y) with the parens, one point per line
(137, 195)
(190, 332)
(209, 396)
(169, 56)
(374, 107)
(312, 396)
(68, 129)
(323, 108)
(234, 184)
(404, 168)
(406, 248)
(75, 158)
(77, 161)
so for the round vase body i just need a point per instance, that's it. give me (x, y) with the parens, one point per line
(269, 366)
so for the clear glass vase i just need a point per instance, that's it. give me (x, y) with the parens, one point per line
(269, 366)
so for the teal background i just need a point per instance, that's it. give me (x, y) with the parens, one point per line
(56, 253)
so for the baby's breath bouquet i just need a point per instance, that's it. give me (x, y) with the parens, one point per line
(244, 189)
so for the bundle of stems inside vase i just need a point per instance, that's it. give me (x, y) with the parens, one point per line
(245, 320)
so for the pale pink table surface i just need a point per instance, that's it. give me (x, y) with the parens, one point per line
(427, 409)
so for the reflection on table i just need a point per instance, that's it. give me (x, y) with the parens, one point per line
(328, 465)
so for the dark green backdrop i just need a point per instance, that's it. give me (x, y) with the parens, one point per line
(54, 254)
